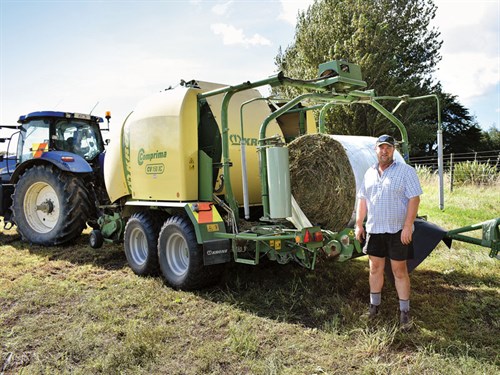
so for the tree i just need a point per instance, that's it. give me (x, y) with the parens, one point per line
(490, 139)
(389, 39)
(398, 52)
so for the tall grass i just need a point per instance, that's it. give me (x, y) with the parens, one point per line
(463, 174)
(474, 172)
(76, 310)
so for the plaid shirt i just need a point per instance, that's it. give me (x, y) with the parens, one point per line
(387, 196)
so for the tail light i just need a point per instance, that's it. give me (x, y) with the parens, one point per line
(318, 236)
(307, 237)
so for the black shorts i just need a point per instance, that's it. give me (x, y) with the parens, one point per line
(388, 245)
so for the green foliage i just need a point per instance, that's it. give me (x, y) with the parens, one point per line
(390, 40)
(491, 139)
(398, 52)
(474, 172)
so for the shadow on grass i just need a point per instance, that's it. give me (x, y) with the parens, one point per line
(453, 313)
(109, 256)
(294, 294)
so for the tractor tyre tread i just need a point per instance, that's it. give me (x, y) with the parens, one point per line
(73, 199)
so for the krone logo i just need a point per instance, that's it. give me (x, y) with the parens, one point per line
(235, 140)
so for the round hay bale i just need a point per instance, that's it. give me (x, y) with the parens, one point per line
(322, 180)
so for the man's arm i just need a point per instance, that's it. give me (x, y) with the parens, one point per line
(411, 214)
(360, 217)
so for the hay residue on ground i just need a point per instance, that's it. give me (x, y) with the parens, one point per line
(322, 180)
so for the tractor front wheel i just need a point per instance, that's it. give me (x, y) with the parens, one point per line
(50, 207)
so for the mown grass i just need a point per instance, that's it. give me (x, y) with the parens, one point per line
(77, 310)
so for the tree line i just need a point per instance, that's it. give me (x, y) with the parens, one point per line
(398, 51)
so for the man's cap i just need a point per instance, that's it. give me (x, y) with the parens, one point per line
(386, 139)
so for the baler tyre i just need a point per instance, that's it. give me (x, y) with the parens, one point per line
(50, 207)
(181, 258)
(96, 239)
(140, 240)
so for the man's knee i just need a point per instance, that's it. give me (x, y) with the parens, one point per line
(377, 265)
(399, 269)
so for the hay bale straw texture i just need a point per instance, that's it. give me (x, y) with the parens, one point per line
(322, 180)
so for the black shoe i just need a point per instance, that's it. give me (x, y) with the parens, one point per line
(373, 311)
(405, 320)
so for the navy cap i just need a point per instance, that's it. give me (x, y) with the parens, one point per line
(386, 139)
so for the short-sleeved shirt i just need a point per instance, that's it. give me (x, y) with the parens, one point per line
(387, 196)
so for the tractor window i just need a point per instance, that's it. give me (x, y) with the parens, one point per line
(34, 138)
(79, 137)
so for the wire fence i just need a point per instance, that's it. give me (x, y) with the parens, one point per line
(487, 157)
(482, 167)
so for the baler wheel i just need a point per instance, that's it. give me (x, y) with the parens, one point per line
(181, 258)
(96, 239)
(50, 207)
(140, 240)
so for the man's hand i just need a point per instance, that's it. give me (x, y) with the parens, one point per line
(406, 235)
(407, 232)
(359, 231)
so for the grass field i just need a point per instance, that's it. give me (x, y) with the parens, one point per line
(77, 310)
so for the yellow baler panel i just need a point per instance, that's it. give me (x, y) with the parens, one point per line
(114, 174)
(311, 127)
(162, 135)
(253, 115)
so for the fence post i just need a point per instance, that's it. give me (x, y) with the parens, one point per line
(440, 168)
(451, 172)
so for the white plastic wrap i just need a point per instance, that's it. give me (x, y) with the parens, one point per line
(280, 204)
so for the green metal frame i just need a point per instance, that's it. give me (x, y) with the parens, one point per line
(112, 227)
(343, 245)
(490, 236)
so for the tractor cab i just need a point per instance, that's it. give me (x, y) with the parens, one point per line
(52, 189)
(59, 131)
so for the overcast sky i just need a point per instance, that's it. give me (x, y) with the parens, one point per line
(71, 55)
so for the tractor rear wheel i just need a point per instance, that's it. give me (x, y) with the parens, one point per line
(50, 207)
(140, 240)
(181, 258)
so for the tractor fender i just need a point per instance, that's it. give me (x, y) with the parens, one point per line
(57, 158)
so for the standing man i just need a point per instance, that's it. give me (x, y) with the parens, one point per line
(389, 195)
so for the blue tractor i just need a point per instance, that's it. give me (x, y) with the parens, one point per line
(54, 186)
